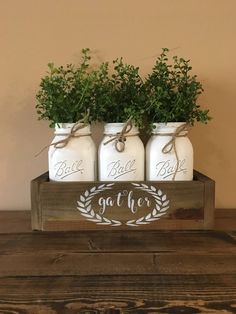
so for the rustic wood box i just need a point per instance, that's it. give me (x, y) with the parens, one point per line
(122, 205)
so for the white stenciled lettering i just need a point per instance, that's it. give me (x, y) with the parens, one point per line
(120, 198)
(131, 203)
(105, 202)
(167, 168)
(117, 169)
(65, 168)
(123, 198)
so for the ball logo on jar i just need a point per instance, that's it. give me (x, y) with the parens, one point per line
(167, 168)
(66, 168)
(117, 168)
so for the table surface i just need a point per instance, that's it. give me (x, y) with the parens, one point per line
(115, 271)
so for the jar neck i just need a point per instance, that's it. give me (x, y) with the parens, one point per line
(114, 128)
(65, 129)
(168, 128)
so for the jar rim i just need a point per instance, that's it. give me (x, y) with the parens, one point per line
(65, 128)
(168, 127)
(116, 127)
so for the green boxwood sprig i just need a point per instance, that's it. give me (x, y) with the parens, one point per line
(67, 93)
(118, 96)
(171, 92)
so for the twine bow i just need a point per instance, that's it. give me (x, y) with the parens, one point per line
(120, 137)
(171, 145)
(76, 127)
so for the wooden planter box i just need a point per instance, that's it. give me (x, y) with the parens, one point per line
(122, 205)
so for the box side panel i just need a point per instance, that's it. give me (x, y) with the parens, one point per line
(36, 209)
(209, 199)
(61, 210)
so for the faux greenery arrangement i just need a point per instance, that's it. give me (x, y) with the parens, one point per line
(67, 93)
(119, 96)
(171, 93)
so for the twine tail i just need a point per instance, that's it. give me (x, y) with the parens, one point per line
(172, 145)
(82, 123)
(110, 140)
(120, 137)
(64, 142)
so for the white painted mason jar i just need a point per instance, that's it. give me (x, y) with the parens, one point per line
(77, 160)
(167, 157)
(127, 165)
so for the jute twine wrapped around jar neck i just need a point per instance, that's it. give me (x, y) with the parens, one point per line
(120, 137)
(76, 127)
(171, 144)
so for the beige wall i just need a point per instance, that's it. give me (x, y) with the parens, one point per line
(34, 32)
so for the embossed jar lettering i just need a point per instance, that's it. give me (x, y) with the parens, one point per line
(67, 168)
(169, 153)
(71, 162)
(123, 165)
(116, 169)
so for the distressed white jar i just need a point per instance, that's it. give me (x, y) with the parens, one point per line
(127, 165)
(77, 160)
(169, 166)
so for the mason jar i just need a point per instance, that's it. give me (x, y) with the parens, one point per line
(169, 155)
(126, 165)
(76, 161)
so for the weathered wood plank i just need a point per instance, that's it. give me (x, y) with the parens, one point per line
(162, 224)
(209, 199)
(225, 219)
(36, 209)
(185, 287)
(19, 221)
(196, 242)
(60, 206)
(117, 272)
(114, 252)
(33, 264)
(64, 196)
(15, 221)
(123, 204)
(125, 294)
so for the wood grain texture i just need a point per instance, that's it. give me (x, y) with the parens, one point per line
(118, 272)
(119, 294)
(115, 264)
(19, 221)
(15, 221)
(191, 205)
(162, 224)
(90, 253)
(36, 209)
(225, 219)
(115, 272)
(117, 241)
(209, 199)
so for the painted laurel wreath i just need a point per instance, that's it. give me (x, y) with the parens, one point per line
(85, 207)
(160, 209)
(161, 205)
